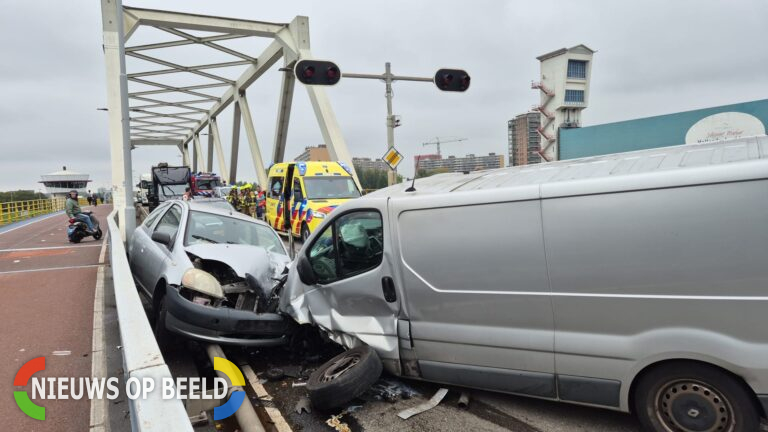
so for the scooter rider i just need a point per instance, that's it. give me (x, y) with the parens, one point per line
(73, 211)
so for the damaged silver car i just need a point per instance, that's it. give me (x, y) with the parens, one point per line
(212, 275)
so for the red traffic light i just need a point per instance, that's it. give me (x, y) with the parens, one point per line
(456, 80)
(317, 72)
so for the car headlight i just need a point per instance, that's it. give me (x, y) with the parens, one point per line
(202, 282)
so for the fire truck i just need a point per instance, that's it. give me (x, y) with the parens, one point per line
(204, 184)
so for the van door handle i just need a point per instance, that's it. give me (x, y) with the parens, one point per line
(388, 288)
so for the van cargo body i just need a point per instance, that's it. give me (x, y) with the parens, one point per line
(577, 280)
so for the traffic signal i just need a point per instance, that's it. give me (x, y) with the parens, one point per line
(317, 72)
(452, 80)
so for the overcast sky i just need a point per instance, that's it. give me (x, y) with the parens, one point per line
(653, 57)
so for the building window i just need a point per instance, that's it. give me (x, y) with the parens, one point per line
(577, 69)
(574, 97)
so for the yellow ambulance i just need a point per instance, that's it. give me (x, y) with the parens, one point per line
(315, 189)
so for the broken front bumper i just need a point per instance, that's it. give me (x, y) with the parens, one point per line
(223, 325)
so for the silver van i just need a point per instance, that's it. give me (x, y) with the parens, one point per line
(636, 282)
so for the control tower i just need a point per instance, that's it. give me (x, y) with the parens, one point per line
(564, 88)
(59, 183)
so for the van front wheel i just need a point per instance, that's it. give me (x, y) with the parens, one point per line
(683, 397)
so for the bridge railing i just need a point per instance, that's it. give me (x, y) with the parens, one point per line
(14, 211)
(141, 355)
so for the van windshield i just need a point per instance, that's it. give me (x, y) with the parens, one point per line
(330, 187)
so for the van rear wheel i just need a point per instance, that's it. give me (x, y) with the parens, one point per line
(688, 397)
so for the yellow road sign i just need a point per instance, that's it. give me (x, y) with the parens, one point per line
(392, 157)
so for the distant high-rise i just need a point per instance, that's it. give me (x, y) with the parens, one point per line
(524, 139)
(469, 162)
(316, 153)
(564, 88)
(371, 164)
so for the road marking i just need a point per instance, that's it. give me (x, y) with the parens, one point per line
(49, 269)
(274, 414)
(99, 413)
(103, 249)
(49, 247)
(32, 222)
(61, 353)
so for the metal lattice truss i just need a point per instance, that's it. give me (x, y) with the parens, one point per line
(161, 112)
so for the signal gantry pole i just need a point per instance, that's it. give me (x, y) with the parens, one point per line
(310, 72)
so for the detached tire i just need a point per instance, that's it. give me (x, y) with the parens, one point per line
(343, 378)
(684, 396)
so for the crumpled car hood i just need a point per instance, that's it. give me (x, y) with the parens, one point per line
(254, 260)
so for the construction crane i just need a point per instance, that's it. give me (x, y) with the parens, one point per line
(439, 141)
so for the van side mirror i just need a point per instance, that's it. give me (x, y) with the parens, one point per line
(305, 270)
(162, 238)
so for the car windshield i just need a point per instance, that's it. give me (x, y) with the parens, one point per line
(207, 184)
(219, 204)
(330, 187)
(212, 228)
(171, 191)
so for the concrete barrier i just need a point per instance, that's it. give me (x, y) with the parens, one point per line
(141, 355)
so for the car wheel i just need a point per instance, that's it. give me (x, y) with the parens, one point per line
(304, 232)
(683, 397)
(165, 339)
(343, 378)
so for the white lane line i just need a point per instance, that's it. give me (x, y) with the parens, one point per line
(99, 412)
(103, 249)
(62, 353)
(50, 247)
(49, 269)
(32, 222)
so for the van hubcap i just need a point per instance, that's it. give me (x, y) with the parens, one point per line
(339, 367)
(693, 406)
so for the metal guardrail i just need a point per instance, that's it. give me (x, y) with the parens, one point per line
(141, 354)
(14, 211)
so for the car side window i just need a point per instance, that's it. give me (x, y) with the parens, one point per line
(298, 195)
(322, 256)
(353, 244)
(275, 187)
(152, 216)
(170, 222)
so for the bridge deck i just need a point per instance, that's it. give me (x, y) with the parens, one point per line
(47, 286)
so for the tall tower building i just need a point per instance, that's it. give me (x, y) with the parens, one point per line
(524, 139)
(564, 88)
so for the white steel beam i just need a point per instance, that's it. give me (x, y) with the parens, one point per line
(283, 117)
(235, 144)
(209, 160)
(219, 150)
(204, 23)
(200, 162)
(253, 143)
(117, 105)
(267, 58)
(183, 148)
(189, 41)
(156, 141)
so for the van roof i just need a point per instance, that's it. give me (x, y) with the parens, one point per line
(664, 159)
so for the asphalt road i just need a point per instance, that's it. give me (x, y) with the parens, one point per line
(47, 287)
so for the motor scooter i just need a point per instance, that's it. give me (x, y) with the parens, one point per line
(78, 229)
